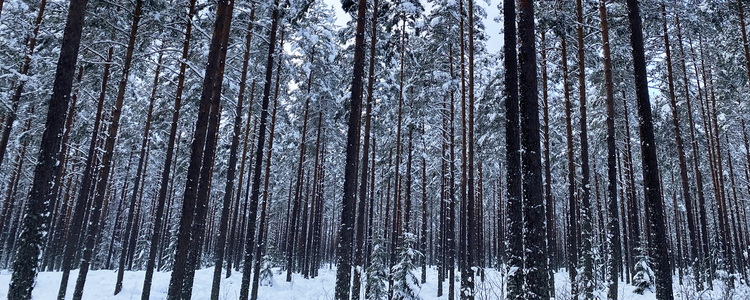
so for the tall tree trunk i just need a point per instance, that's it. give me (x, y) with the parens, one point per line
(74, 230)
(165, 174)
(549, 203)
(534, 234)
(198, 230)
(587, 281)
(41, 193)
(106, 161)
(652, 191)
(211, 81)
(514, 210)
(255, 190)
(614, 262)
(229, 186)
(572, 232)
(359, 255)
(451, 218)
(346, 232)
(130, 232)
(263, 214)
(472, 242)
(681, 156)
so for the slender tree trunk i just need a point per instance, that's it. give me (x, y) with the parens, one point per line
(10, 117)
(106, 161)
(359, 255)
(130, 232)
(614, 262)
(41, 193)
(165, 174)
(587, 280)
(255, 190)
(198, 230)
(572, 233)
(549, 203)
(659, 251)
(681, 156)
(263, 214)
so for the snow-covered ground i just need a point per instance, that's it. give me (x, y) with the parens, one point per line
(100, 285)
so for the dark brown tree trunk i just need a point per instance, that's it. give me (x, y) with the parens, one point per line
(41, 193)
(681, 156)
(514, 212)
(74, 230)
(614, 263)
(587, 281)
(659, 249)
(572, 232)
(165, 174)
(396, 221)
(536, 275)
(198, 230)
(211, 82)
(106, 161)
(359, 255)
(549, 203)
(255, 190)
(263, 214)
(229, 186)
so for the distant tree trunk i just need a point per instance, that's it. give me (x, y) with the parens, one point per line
(513, 155)
(536, 276)
(211, 81)
(423, 241)
(681, 155)
(229, 186)
(572, 232)
(472, 242)
(396, 221)
(549, 203)
(296, 204)
(614, 263)
(652, 191)
(255, 190)
(706, 259)
(130, 232)
(165, 174)
(450, 220)
(41, 193)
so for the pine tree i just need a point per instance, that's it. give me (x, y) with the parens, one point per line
(40, 195)
(650, 164)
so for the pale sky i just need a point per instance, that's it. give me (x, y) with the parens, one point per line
(493, 28)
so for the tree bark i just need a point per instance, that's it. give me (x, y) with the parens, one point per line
(41, 193)
(614, 263)
(652, 189)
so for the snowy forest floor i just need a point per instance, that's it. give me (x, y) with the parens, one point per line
(100, 284)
